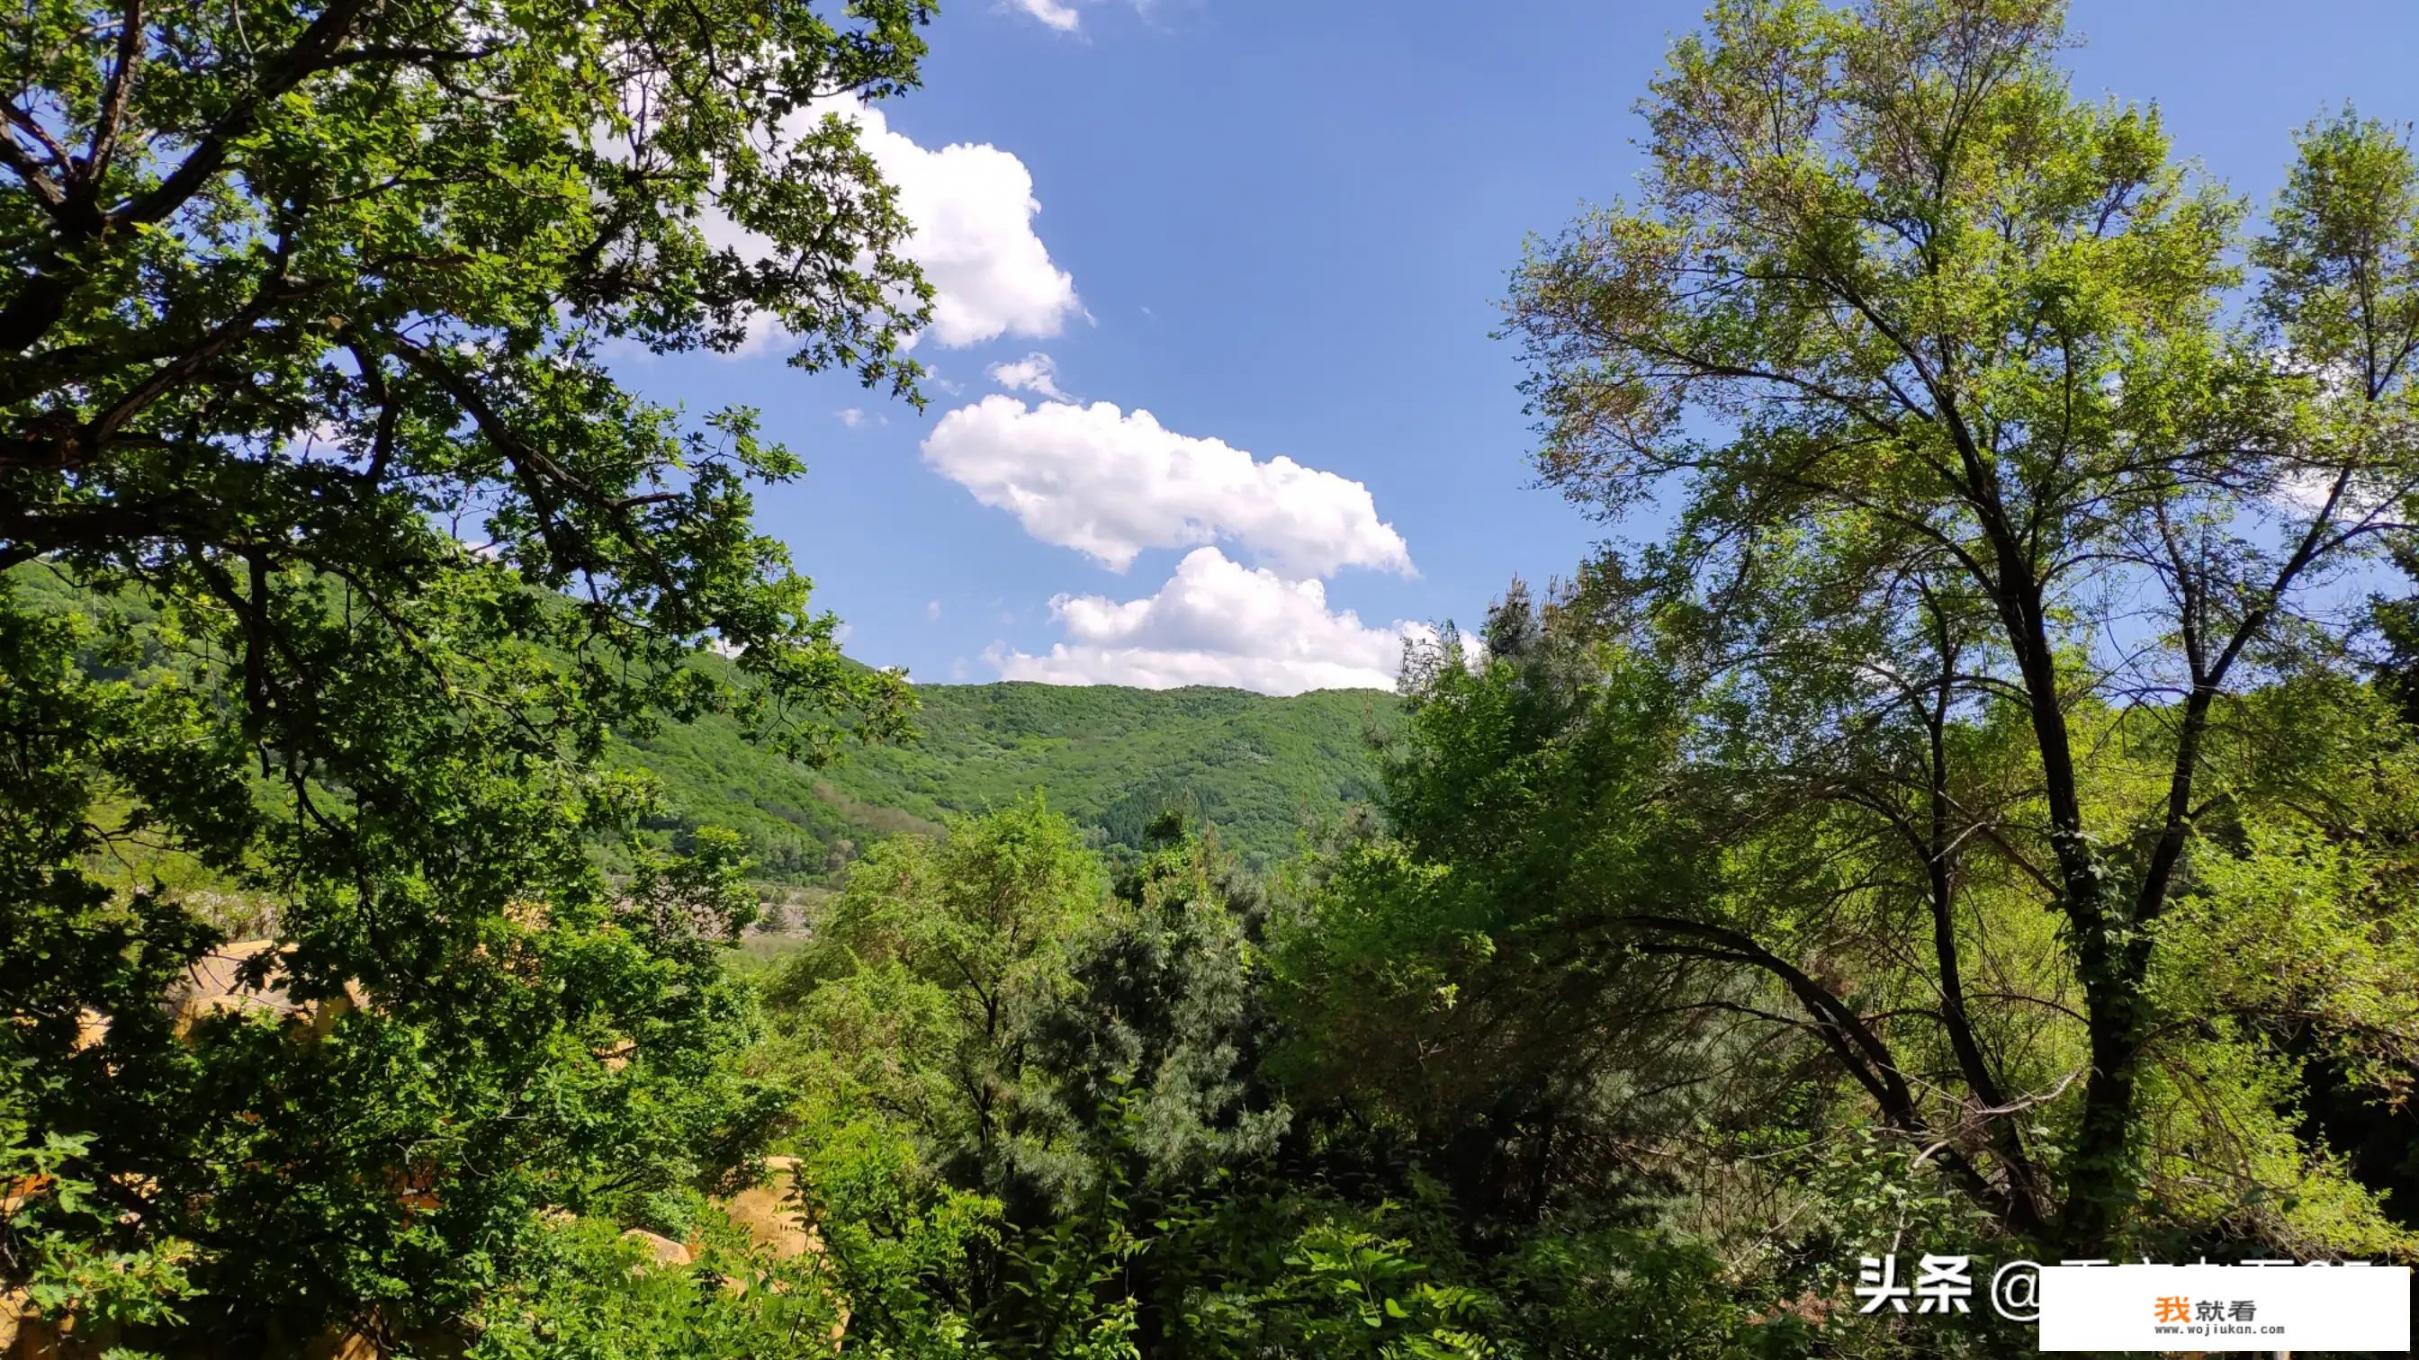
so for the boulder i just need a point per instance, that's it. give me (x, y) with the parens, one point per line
(663, 1250)
(770, 1212)
(41, 1338)
(214, 985)
(343, 1343)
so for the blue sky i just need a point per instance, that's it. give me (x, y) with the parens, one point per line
(1283, 227)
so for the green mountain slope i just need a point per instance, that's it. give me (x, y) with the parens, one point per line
(1110, 757)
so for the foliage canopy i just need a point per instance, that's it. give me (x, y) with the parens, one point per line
(1998, 535)
(305, 313)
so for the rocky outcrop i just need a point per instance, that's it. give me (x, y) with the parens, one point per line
(661, 1250)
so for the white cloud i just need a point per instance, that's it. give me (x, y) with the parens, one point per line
(1110, 484)
(1063, 16)
(1053, 13)
(1216, 623)
(850, 416)
(2304, 491)
(932, 609)
(1036, 372)
(970, 210)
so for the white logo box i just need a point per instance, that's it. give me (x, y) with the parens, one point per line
(2326, 1307)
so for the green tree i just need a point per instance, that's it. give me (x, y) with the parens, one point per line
(304, 312)
(984, 1023)
(1459, 977)
(930, 973)
(1973, 482)
(1166, 1018)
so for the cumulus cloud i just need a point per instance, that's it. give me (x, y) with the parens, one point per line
(1063, 16)
(1216, 622)
(1052, 13)
(2304, 491)
(970, 209)
(850, 416)
(1036, 372)
(1111, 484)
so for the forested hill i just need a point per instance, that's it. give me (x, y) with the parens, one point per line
(1110, 757)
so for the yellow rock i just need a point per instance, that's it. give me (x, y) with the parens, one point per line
(91, 1028)
(771, 1215)
(214, 985)
(345, 1343)
(40, 1338)
(24, 1190)
(773, 1219)
(665, 1251)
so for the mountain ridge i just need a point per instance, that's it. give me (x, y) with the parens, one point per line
(1112, 757)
